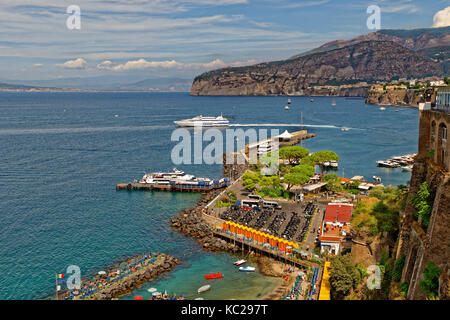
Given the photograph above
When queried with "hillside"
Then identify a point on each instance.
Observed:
(416, 39)
(363, 61)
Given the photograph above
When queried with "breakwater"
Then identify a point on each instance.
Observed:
(123, 278)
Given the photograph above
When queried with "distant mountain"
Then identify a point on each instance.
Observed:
(19, 87)
(415, 39)
(363, 61)
(161, 84)
(112, 83)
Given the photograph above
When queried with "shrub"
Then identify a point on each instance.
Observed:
(430, 282)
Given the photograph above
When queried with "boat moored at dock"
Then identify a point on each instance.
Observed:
(175, 180)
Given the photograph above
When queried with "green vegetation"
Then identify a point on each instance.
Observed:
(423, 205)
(227, 200)
(266, 186)
(430, 282)
(404, 288)
(322, 156)
(398, 269)
(344, 276)
(380, 211)
(333, 183)
(293, 154)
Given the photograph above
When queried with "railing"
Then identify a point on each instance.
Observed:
(442, 108)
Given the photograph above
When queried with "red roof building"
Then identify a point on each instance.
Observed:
(335, 230)
(338, 212)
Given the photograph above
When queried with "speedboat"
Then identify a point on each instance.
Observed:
(286, 108)
(345, 129)
(202, 121)
(204, 289)
(240, 262)
(247, 269)
(213, 276)
(289, 101)
(382, 108)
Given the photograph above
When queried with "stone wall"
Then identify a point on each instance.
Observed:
(417, 244)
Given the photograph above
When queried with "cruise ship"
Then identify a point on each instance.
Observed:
(219, 121)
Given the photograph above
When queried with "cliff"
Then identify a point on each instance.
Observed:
(364, 61)
(409, 97)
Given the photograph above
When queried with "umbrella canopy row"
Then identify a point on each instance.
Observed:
(258, 236)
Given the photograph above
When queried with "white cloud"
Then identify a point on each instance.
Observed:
(442, 18)
(78, 63)
(142, 64)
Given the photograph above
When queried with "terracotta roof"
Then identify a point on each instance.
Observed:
(339, 212)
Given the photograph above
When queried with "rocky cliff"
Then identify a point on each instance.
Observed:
(364, 61)
(404, 97)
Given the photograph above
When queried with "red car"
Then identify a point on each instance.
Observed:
(247, 209)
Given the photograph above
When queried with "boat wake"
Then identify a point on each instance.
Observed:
(78, 130)
(287, 125)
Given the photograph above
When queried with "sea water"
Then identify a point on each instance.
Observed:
(63, 153)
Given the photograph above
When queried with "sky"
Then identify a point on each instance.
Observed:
(183, 38)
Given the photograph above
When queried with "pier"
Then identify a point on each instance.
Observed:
(135, 186)
(259, 248)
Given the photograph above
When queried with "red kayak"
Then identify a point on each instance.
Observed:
(218, 275)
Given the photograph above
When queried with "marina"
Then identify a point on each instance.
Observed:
(406, 162)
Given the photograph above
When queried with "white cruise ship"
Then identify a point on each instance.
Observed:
(219, 121)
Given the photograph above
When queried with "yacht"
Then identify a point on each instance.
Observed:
(203, 121)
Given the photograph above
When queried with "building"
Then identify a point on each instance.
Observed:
(334, 234)
(419, 243)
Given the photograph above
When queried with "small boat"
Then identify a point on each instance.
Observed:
(382, 108)
(247, 269)
(312, 100)
(333, 103)
(204, 289)
(376, 178)
(408, 168)
(240, 262)
(289, 101)
(286, 108)
(213, 276)
(345, 129)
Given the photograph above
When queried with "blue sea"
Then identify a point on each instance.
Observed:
(63, 153)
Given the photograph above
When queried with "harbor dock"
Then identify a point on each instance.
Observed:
(136, 186)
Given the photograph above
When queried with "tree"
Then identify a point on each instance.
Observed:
(422, 202)
(333, 182)
(430, 282)
(321, 157)
(304, 169)
(295, 179)
(293, 154)
(344, 276)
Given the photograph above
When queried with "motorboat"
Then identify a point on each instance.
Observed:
(388, 164)
(213, 276)
(247, 269)
(382, 108)
(204, 289)
(202, 121)
(286, 108)
(240, 262)
(376, 178)
(345, 129)
(289, 101)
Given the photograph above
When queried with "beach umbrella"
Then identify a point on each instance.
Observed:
(152, 290)
(102, 273)
(199, 299)
(156, 294)
(138, 298)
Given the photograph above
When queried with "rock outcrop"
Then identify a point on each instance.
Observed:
(404, 97)
(364, 61)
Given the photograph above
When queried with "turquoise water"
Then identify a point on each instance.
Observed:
(63, 153)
